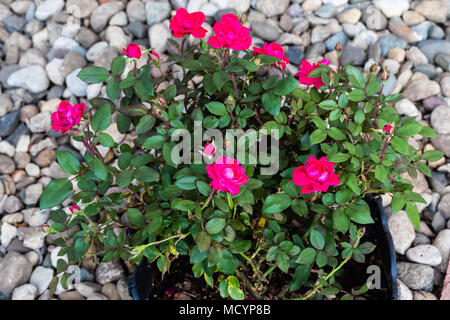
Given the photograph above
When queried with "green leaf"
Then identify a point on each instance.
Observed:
(99, 169)
(125, 178)
(183, 205)
(93, 74)
(102, 118)
(145, 124)
(276, 203)
(328, 105)
(317, 136)
(282, 260)
(433, 155)
(112, 88)
(355, 76)
(240, 245)
(424, 168)
(106, 140)
(203, 241)
(234, 290)
(359, 213)
(118, 65)
(428, 132)
(215, 225)
(135, 217)
(154, 142)
(56, 192)
(336, 134)
(146, 174)
(187, 183)
(306, 256)
(408, 130)
(285, 86)
(271, 103)
(357, 95)
(359, 116)
(316, 239)
(219, 79)
(380, 172)
(58, 216)
(413, 214)
(68, 162)
(341, 221)
(216, 108)
(400, 145)
(321, 124)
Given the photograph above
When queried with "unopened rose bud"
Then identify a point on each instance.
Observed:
(387, 129)
(384, 75)
(75, 209)
(158, 112)
(331, 75)
(74, 132)
(257, 62)
(230, 101)
(154, 55)
(338, 47)
(209, 149)
(45, 228)
(374, 68)
(161, 101)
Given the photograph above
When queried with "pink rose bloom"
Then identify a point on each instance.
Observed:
(273, 49)
(315, 175)
(74, 208)
(209, 149)
(227, 175)
(184, 23)
(305, 70)
(67, 116)
(388, 129)
(230, 33)
(132, 51)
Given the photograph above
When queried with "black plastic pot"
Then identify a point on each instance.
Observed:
(140, 286)
(385, 246)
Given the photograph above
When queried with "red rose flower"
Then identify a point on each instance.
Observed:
(275, 50)
(184, 23)
(315, 175)
(227, 175)
(230, 33)
(132, 51)
(67, 116)
(305, 70)
(388, 129)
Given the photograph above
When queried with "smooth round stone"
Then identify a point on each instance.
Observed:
(295, 55)
(402, 231)
(25, 292)
(75, 85)
(41, 278)
(416, 276)
(33, 78)
(265, 31)
(353, 54)
(428, 69)
(440, 118)
(424, 254)
(326, 11)
(48, 8)
(389, 42)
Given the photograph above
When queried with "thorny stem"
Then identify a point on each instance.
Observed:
(383, 150)
(209, 199)
(355, 244)
(375, 106)
(137, 196)
(261, 276)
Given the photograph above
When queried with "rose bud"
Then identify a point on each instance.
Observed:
(387, 129)
(155, 55)
(374, 68)
(132, 51)
(209, 149)
(384, 75)
(338, 47)
(45, 228)
(230, 101)
(161, 101)
(75, 209)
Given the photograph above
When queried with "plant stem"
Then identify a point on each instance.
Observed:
(336, 269)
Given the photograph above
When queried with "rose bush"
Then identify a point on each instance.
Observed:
(335, 138)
